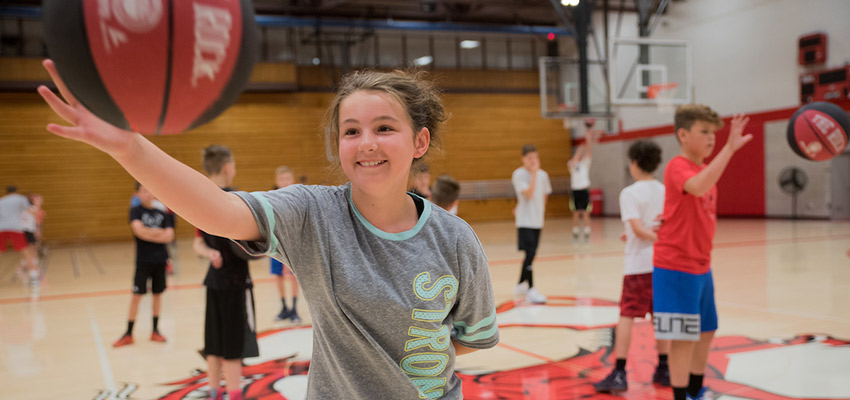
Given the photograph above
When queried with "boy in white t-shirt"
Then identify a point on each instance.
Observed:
(532, 187)
(579, 167)
(640, 204)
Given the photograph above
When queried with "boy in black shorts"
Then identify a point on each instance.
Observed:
(152, 229)
(229, 332)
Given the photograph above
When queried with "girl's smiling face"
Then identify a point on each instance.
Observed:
(377, 144)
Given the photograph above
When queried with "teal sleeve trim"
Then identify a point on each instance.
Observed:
(465, 332)
(268, 210)
(478, 336)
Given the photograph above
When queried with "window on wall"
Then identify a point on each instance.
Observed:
(445, 49)
(34, 39)
(496, 49)
(278, 44)
(522, 52)
(471, 51)
(418, 51)
(363, 51)
(380, 48)
(11, 37)
(333, 54)
(390, 49)
(306, 51)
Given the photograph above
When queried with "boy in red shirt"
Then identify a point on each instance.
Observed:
(683, 290)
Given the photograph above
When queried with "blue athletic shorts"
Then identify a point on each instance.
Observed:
(683, 304)
(277, 268)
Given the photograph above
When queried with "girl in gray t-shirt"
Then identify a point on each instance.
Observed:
(396, 288)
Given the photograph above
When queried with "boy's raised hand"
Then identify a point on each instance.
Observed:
(737, 139)
(86, 127)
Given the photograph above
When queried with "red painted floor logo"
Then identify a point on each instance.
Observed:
(806, 366)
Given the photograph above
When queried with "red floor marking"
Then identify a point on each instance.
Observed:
(528, 353)
(85, 295)
(15, 300)
(716, 245)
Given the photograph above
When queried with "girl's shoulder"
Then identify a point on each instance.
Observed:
(451, 225)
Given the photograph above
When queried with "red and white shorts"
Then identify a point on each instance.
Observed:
(17, 239)
(636, 300)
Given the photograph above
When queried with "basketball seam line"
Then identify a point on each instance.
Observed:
(826, 145)
(168, 67)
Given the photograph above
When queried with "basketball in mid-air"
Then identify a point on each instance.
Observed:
(818, 131)
(153, 66)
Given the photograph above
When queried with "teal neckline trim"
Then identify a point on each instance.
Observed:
(426, 212)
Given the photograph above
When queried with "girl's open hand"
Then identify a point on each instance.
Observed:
(85, 126)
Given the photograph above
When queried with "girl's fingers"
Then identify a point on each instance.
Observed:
(59, 107)
(54, 74)
(70, 132)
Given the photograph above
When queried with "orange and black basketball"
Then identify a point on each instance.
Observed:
(818, 131)
(153, 66)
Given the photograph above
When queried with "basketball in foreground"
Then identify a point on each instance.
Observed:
(818, 131)
(153, 66)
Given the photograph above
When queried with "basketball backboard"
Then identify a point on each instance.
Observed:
(560, 89)
(650, 72)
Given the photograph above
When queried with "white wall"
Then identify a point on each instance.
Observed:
(744, 51)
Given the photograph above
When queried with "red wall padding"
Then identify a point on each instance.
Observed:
(741, 189)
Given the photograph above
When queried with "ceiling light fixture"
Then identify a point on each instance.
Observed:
(424, 60)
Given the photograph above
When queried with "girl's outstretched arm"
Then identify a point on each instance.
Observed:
(187, 192)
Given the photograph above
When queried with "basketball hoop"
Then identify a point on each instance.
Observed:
(653, 91)
(664, 95)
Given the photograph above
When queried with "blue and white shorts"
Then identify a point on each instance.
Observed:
(277, 268)
(683, 304)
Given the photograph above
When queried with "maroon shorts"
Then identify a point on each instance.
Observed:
(636, 300)
(18, 240)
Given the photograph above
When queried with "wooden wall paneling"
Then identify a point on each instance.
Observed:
(22, 69)
(87, 193)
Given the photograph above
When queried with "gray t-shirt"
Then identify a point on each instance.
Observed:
(385, 306)
(12, 208)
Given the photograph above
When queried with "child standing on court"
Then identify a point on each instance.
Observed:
(397, 288)
(579, 166)
(445, 193)
(230, 327)
(532, 187)
(152, 228)
(13, 206)
(682, 285)
(284, 177)
(640, 204)
(420, 180)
